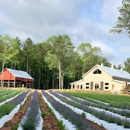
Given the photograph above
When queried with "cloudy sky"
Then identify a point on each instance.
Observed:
(83, 20)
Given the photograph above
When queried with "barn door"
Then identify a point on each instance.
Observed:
(91, 86)
(101, 86)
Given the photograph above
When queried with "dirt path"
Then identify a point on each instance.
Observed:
(50, 121)
(18, 116)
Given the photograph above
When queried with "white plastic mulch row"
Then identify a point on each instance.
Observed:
(68, 124)
(11, 114)
(7, 100)
(99, 109)
(39, 125)
(109, 126)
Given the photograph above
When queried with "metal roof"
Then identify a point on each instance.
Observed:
(19, 73)
(115, 72)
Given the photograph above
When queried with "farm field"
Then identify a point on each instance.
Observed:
(63, 110)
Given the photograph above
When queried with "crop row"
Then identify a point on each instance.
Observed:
(114, 100)
(121, 112)
(76, 119)
(31, 117)
(110, 118)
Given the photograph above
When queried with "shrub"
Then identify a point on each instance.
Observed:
(126, 124)
(29, 124)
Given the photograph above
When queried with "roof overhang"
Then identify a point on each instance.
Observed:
(79, 82)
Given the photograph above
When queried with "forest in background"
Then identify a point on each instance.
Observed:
(53, 63)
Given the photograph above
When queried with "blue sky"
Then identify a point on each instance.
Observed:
(83, 20)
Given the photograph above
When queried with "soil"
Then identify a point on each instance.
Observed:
(91, 124)
(18, 116)
(49, 121)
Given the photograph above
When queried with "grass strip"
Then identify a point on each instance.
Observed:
(9, 96)
(8, 107)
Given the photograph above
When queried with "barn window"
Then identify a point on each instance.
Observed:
(106, 83)
(97, 71)
(106, 87)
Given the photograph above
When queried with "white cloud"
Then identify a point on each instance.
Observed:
(107, 51)
(40, 19)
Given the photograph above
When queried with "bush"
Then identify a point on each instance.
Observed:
(29, 124)
(126, 124)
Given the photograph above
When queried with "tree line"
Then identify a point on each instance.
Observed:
(53, 63)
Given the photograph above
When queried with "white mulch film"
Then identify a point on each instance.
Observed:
(39, 125)
(68, 124)
(99, 109)
(109, 126)
(7, 100)
(11, 114)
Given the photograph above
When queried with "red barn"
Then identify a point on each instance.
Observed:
(15, 78)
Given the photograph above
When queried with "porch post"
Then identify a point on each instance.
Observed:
(71, 86)
(14, 83)
(8, 83)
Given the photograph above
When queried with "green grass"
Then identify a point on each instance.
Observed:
(10, 96)
(6, 109)
(6, 93)
(114, 100)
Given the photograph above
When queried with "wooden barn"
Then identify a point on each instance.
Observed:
(15, 78)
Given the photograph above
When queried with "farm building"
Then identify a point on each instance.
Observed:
(15, 78)
(103, 78)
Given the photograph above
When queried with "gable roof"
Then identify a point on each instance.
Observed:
(112, 72)
(19, 73)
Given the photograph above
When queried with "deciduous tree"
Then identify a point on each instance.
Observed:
(123, 23)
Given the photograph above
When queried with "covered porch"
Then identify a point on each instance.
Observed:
(77, 85)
